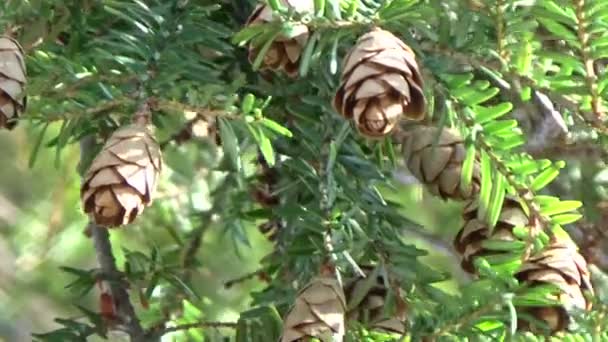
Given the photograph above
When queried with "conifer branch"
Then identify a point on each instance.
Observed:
(588, 61)
(523, 192)
(500, 30)
(261, 273)
(92, 111)
(454, 326)
(107, 263)
(523, 80)
(199, 325)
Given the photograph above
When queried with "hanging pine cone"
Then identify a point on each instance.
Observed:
(437, 161)
(469, 240)
(369, 306)
(561, 265)
(263, 190)
(284, 53)
(12, 82)
(318, 312)
(380, 82)
(122, 179)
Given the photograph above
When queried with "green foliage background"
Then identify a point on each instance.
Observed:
(90, 62)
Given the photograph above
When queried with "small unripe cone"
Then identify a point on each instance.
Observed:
(122, 179)
(468, 242)
(561, 265)
(318, 312)
(285, 52)
(12, 82)
(370, 310)
(380, 83)
(437, 163)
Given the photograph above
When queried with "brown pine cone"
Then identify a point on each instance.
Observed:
(369, 309)
(12, 82)
(561, 265)
(284, 53)
(318, 312)
(380, 82)
(469, 240)
(122, 179)
(439, 166)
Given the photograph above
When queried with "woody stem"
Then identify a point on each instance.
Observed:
(107, 264)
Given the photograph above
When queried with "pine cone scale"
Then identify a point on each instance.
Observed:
(318, 312)
(12, 82)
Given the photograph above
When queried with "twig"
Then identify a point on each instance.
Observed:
(577, 150)
(462, 321)
(189, 258)
(590, 75)
(72, 89)
(143, 115)
(102, 107)
(537, 221)
(107, 263)
(248, 276)
(560, 99)
(500, 30)
(401, 305)
(186, 132)
(198, 325)
(167, 105)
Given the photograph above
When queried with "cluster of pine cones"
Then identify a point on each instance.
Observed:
(381, 84)
(322, 307)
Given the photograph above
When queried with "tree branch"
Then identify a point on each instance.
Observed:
(107, 263)
(229, 325)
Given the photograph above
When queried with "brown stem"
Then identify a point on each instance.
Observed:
(107, 263)
(102, 107)
(500, 30)
(143, 116)
(189, 258)
(206, 112)
(248, 276)
(590, 75)
(198, 325)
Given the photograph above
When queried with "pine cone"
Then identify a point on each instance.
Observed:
(370, 309)
(263, 190)
(380, 82)
(284, 53)
(468, 242)
(122, 179)
(561, 265)
(318, 312)
(12, 82)
(439, 165)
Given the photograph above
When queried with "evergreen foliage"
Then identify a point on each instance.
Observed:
(511, 88)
